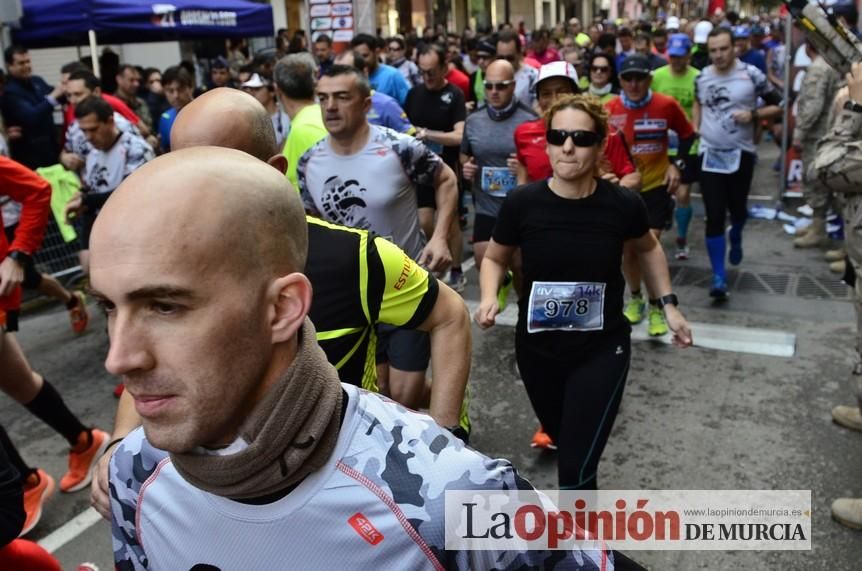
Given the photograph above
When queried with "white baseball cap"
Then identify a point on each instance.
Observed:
(558, 69)
(255, 81)
(672, 23)
(701, 31)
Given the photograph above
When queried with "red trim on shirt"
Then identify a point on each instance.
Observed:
(390, 503)
(140, 507)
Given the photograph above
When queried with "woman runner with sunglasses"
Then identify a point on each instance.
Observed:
(603, 78)
(572, 342)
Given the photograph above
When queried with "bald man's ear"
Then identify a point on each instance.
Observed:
(288, 302)
(278, 161)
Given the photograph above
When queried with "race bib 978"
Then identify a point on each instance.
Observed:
(566, 306)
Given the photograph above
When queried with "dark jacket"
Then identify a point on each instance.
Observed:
(25, 105)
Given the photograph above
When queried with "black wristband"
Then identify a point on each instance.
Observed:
(22, 258)
(851, 105)
(111, 444)
(669, 299)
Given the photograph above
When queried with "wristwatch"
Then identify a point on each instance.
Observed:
(680, 164)
(851, 105)
(20, 257)
(669, 299)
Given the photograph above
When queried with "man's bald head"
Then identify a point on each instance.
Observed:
(212, 207)
(500, 70)
(197, 260)
(225, 117)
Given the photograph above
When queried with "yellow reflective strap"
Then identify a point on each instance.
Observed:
(336, 333)
(363, 275)
(350, 353)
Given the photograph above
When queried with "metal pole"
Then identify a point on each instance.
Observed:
(785, 132)
(93, 53)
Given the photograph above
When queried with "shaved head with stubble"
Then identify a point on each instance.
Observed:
(197, 260)
(226, 117)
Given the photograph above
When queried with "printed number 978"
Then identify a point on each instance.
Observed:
(554, 307)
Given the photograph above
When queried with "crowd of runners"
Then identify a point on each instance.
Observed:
(557, 157)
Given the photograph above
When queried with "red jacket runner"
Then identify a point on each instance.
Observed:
(34, 193)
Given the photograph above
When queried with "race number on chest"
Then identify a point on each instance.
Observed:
(566, 306)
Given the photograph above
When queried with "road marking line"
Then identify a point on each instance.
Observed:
(70, 530)
(468, 264)
(707, 335)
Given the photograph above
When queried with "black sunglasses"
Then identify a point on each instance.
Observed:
(498, 85)
(600, 68)
(635, 77)
(579, 138)
(509, 58)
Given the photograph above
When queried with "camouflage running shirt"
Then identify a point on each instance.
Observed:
(377, 504)
(374, 189)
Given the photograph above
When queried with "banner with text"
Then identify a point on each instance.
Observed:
(654, 520)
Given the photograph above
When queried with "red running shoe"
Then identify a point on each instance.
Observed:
(82, 458)
(542, 440)
(78, 315)
(38, 487)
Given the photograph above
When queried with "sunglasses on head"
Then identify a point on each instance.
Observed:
(579, 138)
(498, 85)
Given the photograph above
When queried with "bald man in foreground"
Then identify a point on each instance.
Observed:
(252, 454)
(388, 294)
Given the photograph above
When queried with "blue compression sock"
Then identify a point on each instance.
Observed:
(717, 246)
(683, 218)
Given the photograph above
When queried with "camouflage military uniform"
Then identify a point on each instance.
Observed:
(838, 168)
(818, 90)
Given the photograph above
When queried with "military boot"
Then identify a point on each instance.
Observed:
(815, 237)
(838, 267)
(848, 511)
(835, 255)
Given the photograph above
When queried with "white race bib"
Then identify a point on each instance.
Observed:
(721, 161)
(566, 306)
(498, 181)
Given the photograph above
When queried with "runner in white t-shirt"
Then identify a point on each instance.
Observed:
(78, 145)
(114, 155)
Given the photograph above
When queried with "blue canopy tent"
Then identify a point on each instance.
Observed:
(51, 23)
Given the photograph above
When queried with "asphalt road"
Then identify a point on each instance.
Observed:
(693, 419)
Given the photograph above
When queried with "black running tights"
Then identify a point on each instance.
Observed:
(576, 395)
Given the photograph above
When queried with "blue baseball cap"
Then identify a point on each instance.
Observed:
(678, 45)
(741, 32)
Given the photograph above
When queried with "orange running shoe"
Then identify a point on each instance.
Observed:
(82, 459)
(38, 487)
(542, 440)
(78, 314)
